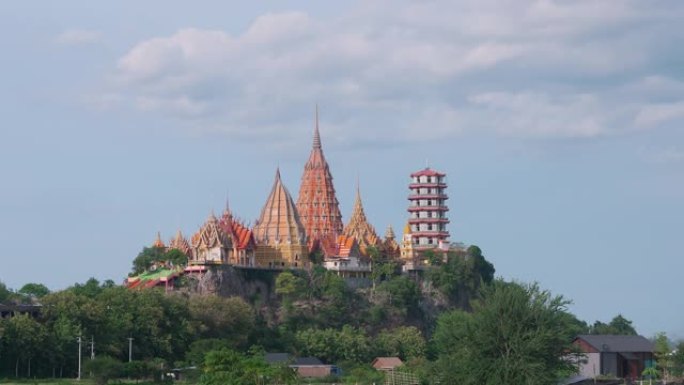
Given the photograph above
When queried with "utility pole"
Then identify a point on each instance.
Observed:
(92, 347)
(79, 358)
(130, 349)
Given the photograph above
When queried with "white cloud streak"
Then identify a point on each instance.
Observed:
(78, 37)
(424, 70)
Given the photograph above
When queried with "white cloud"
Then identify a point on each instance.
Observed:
(428, 70)
(654, 114)
(78, 37)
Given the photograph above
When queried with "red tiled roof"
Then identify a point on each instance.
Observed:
(381, 363)
(427, 172)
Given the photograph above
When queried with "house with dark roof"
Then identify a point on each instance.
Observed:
(310, 367)
(614, 355)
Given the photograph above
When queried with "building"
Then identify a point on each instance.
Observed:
(306, 367)
(317, 204)
(280, 237)
(244, 245)
(180, 243)
(345, 258)
(386, 363)
(614, 355)
(389, 247)
(359, 228)
(427, 209)
(211, 245)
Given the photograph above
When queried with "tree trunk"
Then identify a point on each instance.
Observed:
(29, 368)
(16, 369)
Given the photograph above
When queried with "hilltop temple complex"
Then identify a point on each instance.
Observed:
(289, 235)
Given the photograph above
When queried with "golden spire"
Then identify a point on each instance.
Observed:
(317, 135)
(158, 242)
(358, 226)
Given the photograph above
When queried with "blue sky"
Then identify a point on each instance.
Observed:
(559, 124)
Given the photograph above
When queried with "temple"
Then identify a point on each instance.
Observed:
(317, 205)
(359, 228)
(279, 233)
(289, 235)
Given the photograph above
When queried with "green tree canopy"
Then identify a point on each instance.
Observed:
(35, 290)
(515, 335)
(619, 325)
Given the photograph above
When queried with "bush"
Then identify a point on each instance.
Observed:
(104, 368)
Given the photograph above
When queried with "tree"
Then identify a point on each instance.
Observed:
(219, 317)
(104, 368)
(289, 286)
(34, 290)
(146, 258)
(24, 337)
(406, 342)
(515, 335)
(176, 257)
(5, 293)
(663, 356)
(619, 325)
(228, 367)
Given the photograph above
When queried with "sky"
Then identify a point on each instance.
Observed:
(558, 123)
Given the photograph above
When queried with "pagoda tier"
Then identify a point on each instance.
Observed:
(317, 205)
(279, 234)
(359, 228)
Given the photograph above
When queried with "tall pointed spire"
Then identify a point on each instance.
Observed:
(317, 135)
(358, 226)
(317, 205)
(279, 220)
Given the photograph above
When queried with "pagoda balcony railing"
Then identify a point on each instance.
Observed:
(428, 208)
(427, 196)
(428, 220)
(427, 185)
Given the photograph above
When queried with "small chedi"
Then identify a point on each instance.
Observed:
(289, 235)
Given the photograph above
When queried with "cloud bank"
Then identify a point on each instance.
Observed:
(427, 70)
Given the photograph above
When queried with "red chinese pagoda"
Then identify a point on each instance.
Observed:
(427, 209)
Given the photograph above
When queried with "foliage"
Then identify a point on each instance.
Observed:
(515, 335)
(289, 286)
(461, 275)
(34, 290)
(405, 342)
(228, 367)
(330, 345)
(104, 368)
(5, 293)
(151, 255)
(618, 325)
(219, 317)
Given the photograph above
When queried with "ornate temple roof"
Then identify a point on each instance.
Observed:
(279, 220)
(427, 171)
(180, 243)
(358, 226)
(211, 235)
(158, 242)
(389, 234)
(243, 237)
(317, 205)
